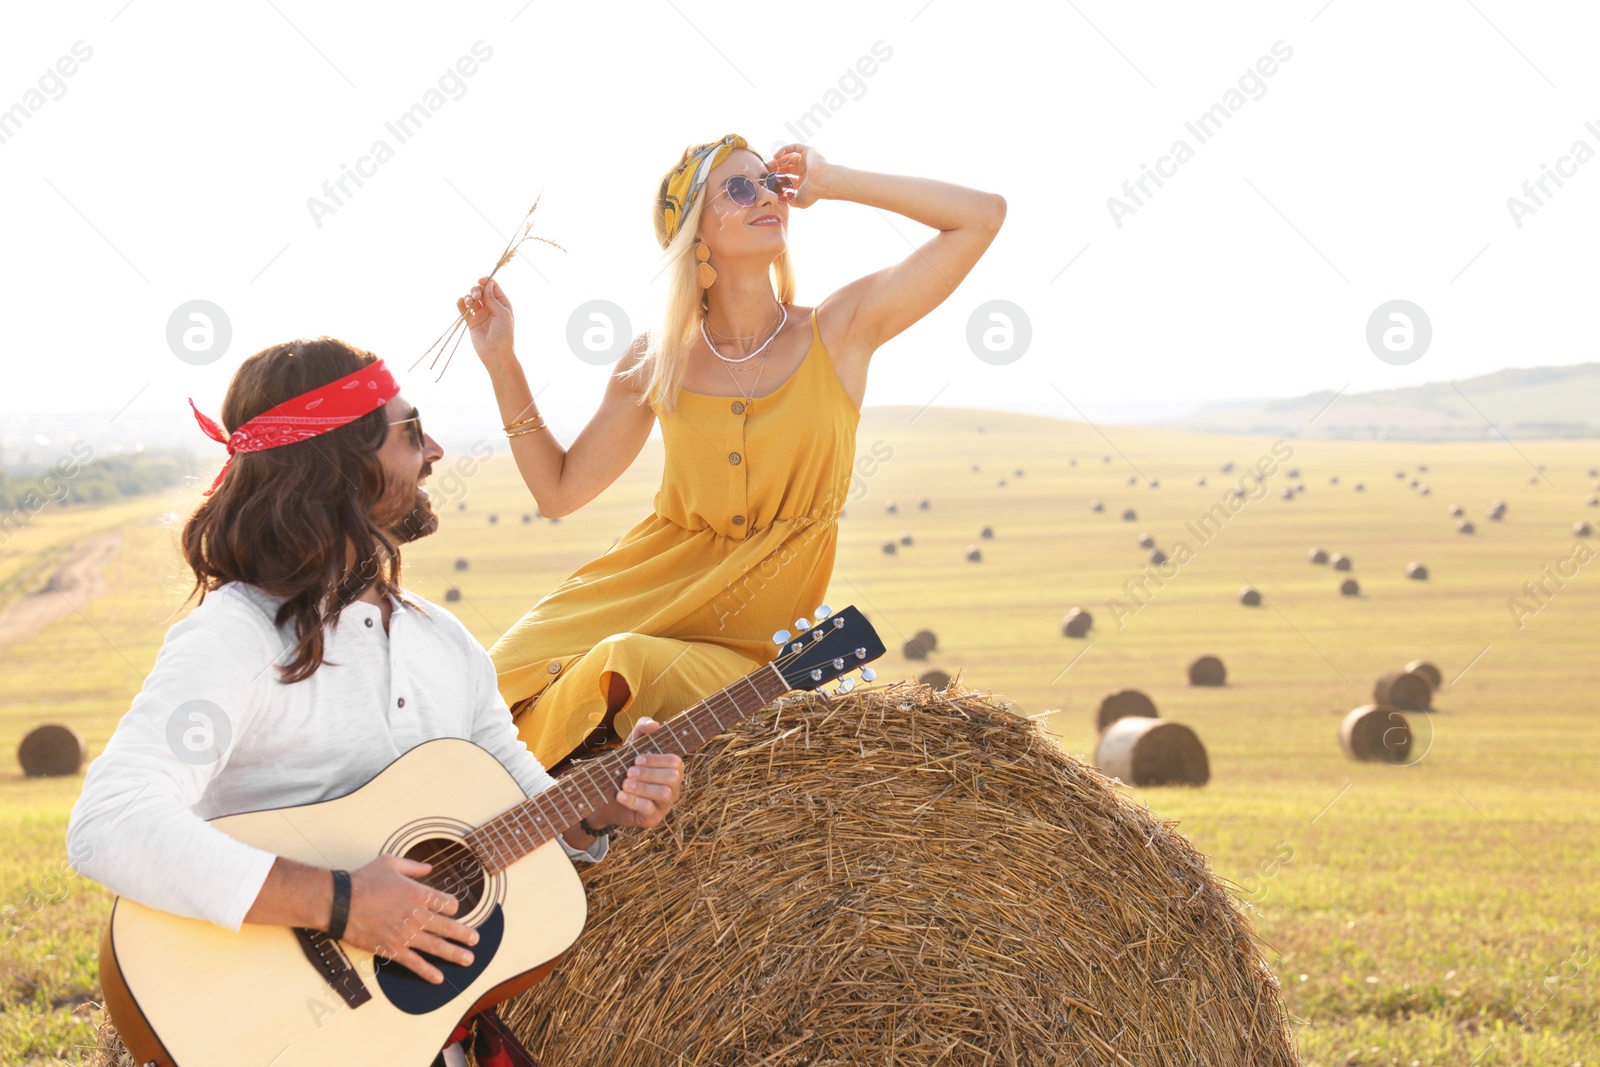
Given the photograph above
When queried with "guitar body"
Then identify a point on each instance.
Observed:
(188, 993)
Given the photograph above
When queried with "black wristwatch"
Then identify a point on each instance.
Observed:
(604, 831)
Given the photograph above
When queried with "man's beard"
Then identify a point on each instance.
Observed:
(421, 521)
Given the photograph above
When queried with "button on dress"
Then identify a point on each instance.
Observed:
(740, 544)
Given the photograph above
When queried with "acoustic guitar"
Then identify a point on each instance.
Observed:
(188, 993)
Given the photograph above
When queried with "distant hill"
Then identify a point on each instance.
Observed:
(1519, 402)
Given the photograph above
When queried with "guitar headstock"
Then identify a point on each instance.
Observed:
(832, 646)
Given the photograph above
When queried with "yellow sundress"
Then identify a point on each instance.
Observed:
(740, 544)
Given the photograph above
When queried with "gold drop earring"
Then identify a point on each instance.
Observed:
(705, 273)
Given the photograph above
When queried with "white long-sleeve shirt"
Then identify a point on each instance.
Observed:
(214, 732)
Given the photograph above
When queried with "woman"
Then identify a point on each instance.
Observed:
(758, 400)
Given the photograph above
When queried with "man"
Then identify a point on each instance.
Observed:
(305, 669)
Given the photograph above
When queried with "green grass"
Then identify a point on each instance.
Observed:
(1429, 914)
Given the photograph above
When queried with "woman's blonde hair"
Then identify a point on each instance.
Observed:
(661, 369)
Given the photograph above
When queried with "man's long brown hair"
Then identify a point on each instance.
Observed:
(298, 520)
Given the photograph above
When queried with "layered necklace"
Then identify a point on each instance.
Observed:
(749, 399)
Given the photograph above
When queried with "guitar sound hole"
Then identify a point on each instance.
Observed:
(455, 870)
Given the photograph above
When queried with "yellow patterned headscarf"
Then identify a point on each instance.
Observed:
(684, 182)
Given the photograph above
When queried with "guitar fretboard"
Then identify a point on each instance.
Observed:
(592, 784)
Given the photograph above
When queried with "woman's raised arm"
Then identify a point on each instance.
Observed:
(561, 480)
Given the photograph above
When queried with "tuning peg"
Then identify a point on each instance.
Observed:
(868, 674)
(801, 624)
(780, 637)
(823, 611)
(847, 685)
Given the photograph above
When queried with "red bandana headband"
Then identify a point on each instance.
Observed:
(325, 408)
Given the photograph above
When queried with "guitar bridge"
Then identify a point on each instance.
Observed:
(334, 966)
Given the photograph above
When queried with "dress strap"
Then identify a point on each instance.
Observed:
(815, 336)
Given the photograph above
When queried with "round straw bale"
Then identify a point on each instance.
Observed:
(1144, 752)
(987, 533)
(974, 466)
(1249, 597)
(915, 650)
(1582, 529)
(1019, 472)
(1594, 472)
(924, 504)
(1376, 732)
(461, 563)
(927, 639)
(52, 749)
(553, 521)
(1146, 541)
(889, 548)
(1121, 704)
(1415, 482)
(1095, 505)
(1399, 474)
(1423, 467)
(1358, 487)
(1105, 459)
(461, 506)
(1428, 672)
(494, 519)
(526, 518)
(1593, 502)
(973, 555)
(1129, 515)
(1132, 480)
(904, 880)
(905, 539)
(1073, 462)
(1076, 623)
(1533, 479)
(1155, 483)
(1455, 510)
(1227, 468)
(1001, 483)
(1406, 690)
(1201, 480)
(1287, 492)
(1497, 510)
(452, 595)
(1466, 527)
(890, 507)
(1207, 670)
(934, 679)
(1423, 490)
(1339, 561)
(1158, 557)
(1417, 571)
(1317, 555)
(1349, 587)
(1293, 472)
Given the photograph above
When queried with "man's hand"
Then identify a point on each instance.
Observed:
(394, 916)
(650, 790)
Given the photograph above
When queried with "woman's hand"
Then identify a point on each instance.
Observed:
(489, 320)
(807, 170)
(649, 791)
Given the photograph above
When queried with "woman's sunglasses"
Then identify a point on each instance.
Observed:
(415, 422)
(744, 192)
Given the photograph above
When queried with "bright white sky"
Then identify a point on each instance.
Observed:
(178, 161)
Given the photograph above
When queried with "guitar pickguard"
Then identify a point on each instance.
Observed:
(414, 995)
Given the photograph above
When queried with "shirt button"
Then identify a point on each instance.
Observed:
(554, 667)
(400, 703)
(738, 520)
(738, 407)
(369, 624)
(733, 457)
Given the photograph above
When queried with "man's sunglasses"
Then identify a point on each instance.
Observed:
(744, 191)
(415, 421)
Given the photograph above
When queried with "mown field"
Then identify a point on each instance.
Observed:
(1437, 913)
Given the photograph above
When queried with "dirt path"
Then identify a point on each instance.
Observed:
(76, 582)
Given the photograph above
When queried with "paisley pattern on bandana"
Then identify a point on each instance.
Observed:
(680, 187)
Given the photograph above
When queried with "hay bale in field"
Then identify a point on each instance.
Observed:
(1339, 561)
(1076, 623)
(554, 521)
(807, 904)
(1207, 670)
(1399, 474)
(1582, 529)
(915, 649)
(1358, 487)
(1287, 492)
(1147, 752)
(1593, 502)
(1407, 690)
(1155, 483)
(973, 555)
(1533, 479)
(1376, 732)
(889, 548)
(452, 595)
(1293, 472)
(461, 563)
(1497, 510)
(1427, 672)
(1466, 527)
(1019, 472)
(1129, 515)
(1455, 511)
(934, 679)
(1146, 541)
(1158, 557)
(1227, 468)
(1001, 483)
(1095, 505)
(1105, 459)
(974, 466)
(461, 506)
(1073, 462)
(1423, 467)
(1349, 587)
(1317, 555)
(493, 519)
(1249, 597)
(924, 504)
(1132, 480)
(905, 539)
(927, 639)
(1423, 490)
(987, 533)
(1121, 704)
(890, 507)
(526, 518)
(51, 750)
(1417, 571)
(1333, 479)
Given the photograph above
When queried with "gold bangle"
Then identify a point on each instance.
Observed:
(519, 433)
(532, 418)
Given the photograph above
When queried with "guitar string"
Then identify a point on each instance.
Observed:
(458, 867)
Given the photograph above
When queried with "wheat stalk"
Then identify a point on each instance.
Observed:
(447, 343)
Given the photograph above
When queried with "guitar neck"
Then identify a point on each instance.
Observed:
(592, 784)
